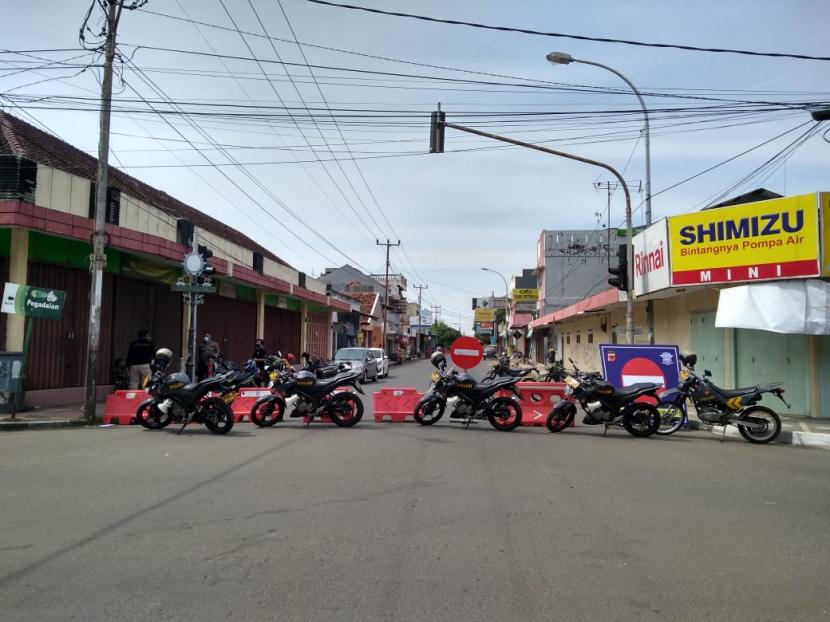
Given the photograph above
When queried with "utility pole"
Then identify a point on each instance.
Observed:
(190, 366)
(387, 244)
(419, 288)
(98, 257)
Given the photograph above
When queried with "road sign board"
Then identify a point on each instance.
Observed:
(466, 352)
(196, 288)
(624, 365)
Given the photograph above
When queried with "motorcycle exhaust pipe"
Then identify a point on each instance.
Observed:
(755, 427)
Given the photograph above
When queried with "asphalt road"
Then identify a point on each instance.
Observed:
(402, 522)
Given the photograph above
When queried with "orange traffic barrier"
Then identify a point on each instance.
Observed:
(121, 406)
(247, 397)
(398, 404)
(538, 399)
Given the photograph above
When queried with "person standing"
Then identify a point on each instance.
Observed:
(138, 358)
(260, 356)
(208, 353)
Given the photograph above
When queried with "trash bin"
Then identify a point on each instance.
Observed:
(10, 364)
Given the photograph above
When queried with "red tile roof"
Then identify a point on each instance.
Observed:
(21, 139)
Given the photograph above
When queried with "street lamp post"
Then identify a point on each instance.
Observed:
(506, 304)
(561, 58)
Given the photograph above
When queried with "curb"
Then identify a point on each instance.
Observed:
(813, 440)
(50, 424)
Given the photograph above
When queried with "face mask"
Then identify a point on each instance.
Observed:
(207, 338)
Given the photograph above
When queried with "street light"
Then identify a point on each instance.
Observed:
(506, 299)
(561, 58)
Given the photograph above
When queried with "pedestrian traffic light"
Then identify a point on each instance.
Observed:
(619, 275)
(436, 132)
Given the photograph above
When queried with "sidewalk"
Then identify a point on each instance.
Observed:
(46, 418)
(795, 431)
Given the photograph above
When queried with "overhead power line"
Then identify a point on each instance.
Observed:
(561, 35)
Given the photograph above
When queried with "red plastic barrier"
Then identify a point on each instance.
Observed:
(247, 397)
(398, 404)
(121, 406)
(538, 399)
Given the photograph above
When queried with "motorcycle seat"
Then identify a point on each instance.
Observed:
(638, 388)
(735, 392)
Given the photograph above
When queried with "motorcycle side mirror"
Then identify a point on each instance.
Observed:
(706, 372)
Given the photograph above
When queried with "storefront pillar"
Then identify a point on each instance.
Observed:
(18, 273)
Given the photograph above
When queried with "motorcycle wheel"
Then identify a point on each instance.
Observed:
(267, 413)
(559, 421)
(149, 416)
(767, 416)
(505, 414)
(642, 421)
(672, 417)
(216, 415)
(428, 412)
(347, 410)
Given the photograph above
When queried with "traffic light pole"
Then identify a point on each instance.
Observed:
(437, 146)
(190, 366)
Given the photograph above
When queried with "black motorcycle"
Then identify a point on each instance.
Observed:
(173, 396)
(304, 394)
(716, 406)
(501, 368)
(606, 405)
(468, 399)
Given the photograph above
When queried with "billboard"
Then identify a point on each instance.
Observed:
(650, 259)
(526, 295)
(485, 315)
(825, 233)
(775, 239)
(33, 301)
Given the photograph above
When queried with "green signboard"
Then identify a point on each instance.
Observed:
(33, 301)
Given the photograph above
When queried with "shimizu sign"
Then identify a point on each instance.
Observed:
(651, 259)
(33, 301)
(825, 233)
(525, 295)
(485, 315)
(776, 239)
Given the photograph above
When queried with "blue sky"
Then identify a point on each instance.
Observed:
(457, 211)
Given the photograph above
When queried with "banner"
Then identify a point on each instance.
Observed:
(485, 315)
(651, 253)
(33, 301)
(825, 233)
(624, 365)
(775, 239)
(525, 295)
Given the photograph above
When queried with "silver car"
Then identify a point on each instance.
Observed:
(383, 362)
(362, 357)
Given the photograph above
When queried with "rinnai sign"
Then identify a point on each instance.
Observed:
(776, 239)
(651, 259)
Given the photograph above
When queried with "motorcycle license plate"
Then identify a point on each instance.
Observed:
(435, 377)
(230, 397)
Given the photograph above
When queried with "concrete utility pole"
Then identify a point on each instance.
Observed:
(419, 288)
(98, 257)
(387, 244)
(190, 366)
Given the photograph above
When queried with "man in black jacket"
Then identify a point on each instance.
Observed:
(138, 358)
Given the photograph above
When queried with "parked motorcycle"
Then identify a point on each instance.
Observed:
(468, 400)
(302, 393)
(605, 405)
(173, 396)
(501, 368)
(716, 406)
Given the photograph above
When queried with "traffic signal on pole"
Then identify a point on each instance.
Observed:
(619, 275)
(475, 304)
(208, 270)
(436, 132)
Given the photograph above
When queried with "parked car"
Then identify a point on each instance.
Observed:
(383, 362)
(359, 356)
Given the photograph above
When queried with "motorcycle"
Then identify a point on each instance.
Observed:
(468, 400)
(605, 404)
(716, 406)
(173, 396)
(502, 368)
(303, 393)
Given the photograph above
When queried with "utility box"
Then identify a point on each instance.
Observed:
(10, 364)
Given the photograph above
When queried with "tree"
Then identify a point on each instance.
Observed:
(444, 335)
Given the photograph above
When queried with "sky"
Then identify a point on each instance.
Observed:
(318, 163)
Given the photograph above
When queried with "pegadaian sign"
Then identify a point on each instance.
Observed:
(775, 239)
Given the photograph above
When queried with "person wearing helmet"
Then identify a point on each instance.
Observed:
(139, 357)
(289, 359)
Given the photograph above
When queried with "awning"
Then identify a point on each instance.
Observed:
(798, 307)
(520, 320)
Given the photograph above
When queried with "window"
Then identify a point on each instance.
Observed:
(113, 205)
(578, 337)
(590, 336)
(568, 338)
(259, 262)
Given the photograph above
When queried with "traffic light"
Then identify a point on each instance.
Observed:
(436, 132)
(619, 275)
(475, 304)
(207, 270)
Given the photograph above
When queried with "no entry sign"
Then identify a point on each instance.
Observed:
(466, 352)
(623, 365)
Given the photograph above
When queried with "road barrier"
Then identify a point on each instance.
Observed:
(121, 406)
(538, 399)
(247, 397)
(397, 404)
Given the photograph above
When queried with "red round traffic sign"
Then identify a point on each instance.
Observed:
(466, 352)
(641, 369)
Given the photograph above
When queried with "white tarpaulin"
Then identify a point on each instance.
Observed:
(801, 307)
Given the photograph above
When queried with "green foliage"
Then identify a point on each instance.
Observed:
(444, 335)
